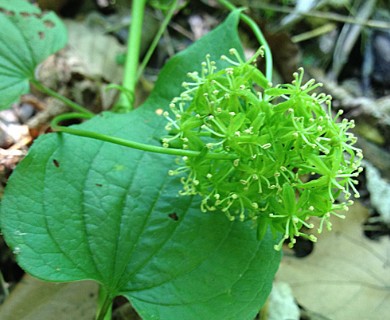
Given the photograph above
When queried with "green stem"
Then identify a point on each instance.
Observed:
(259, 35)
(105, 304)
(128, 143)
(63, 99)
(156, 39)
(124, 104)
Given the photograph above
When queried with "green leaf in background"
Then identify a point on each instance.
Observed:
(28, 36)
(77, 208)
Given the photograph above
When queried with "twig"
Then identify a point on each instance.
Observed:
(327, 16)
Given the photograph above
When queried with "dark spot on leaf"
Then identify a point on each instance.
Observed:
(173, 216)
(99, 185)
(48, 23)
(25, 14)
(7, 12)
(56, 163)
(37, 15)
(41, 35)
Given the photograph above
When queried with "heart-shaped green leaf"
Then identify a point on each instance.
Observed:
(77, 208)
(28, 36)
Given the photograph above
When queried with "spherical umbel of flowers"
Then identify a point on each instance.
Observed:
(292, 158)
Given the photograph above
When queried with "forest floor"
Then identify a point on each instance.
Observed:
(346, 46)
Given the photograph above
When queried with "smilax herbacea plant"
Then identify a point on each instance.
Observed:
(293, 159)
(118, 198)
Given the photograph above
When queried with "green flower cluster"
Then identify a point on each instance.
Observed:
(293, 159)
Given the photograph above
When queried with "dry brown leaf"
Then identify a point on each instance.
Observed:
(33, 299)
(96, 50)
(347, 276)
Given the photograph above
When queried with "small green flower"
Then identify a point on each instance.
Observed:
(293, 158)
